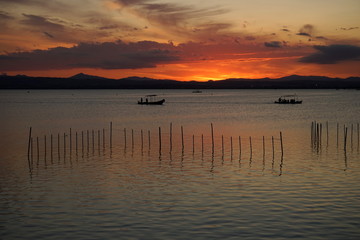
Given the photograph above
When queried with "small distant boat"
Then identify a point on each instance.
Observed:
(289, 99)
(151, 100)
(197, 91)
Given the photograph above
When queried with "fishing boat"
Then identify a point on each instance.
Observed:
(289, 99)
(151, 100)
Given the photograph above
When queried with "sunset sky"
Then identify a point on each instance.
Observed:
(183, 40)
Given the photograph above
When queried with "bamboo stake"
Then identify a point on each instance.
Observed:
(231, 145)
(240, 145)
(31, 151)
(142, 140)
(193, 143)
(273, 147)
(263, 145)
(64, 145)
(202, 144)
(345, 138)
(250, 147)
(149, 138)
(132, 138)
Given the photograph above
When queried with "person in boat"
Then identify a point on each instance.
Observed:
(141, 100)
(147, 100)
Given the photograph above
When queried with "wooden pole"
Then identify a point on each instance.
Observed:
(345, 138)
(250, 146)
(142, 140)
(263, 145)
(240, 145)
(273, 147)
(231, 145)
(193, 143)
(281, 142)
(149, 138)
(31, 152)
(182, 137)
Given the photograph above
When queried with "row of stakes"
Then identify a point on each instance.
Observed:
(317, 135)
(85, 137)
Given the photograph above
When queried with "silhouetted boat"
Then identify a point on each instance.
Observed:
(151, 100)
(289, 99)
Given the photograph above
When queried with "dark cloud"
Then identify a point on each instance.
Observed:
(108, 55)
(5, 16)
(285, 30)
(333, 54)
(48, 35)
(41, 22)
(349, 29)
(273, 44)
(306, 30)
(174, 17)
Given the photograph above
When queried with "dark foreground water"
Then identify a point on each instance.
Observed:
(140, 187)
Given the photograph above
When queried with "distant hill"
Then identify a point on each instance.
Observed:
(84, 81)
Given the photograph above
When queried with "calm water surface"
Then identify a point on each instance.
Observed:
(144, 188)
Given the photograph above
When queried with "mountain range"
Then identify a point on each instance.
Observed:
(84, 81)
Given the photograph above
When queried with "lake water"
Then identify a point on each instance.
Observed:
(241, 185)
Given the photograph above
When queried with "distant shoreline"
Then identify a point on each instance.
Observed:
(83, 81)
